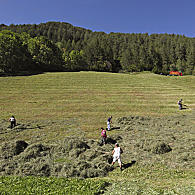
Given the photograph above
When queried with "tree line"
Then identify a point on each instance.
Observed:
(58, 46)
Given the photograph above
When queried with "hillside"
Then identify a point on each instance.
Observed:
(59, 116)
(82, 49)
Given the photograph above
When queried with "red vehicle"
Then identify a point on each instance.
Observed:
(175, 73)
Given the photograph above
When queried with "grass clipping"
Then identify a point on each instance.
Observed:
(72, 157)
(144, 140)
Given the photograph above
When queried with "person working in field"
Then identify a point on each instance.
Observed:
(109, 121)
(180, 104)
(117, 155)
(103, 136)
(12, 121)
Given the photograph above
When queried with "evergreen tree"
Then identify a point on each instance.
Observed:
(104, 52)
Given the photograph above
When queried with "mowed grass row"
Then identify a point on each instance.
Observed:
(155, 180)
(78, 104)
(90, 97)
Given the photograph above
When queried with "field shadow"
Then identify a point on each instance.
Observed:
(25, 73)
(185, 108)
(26, 126)
(110, 140)
(127, 165)
(114, 128)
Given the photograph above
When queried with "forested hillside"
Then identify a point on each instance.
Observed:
(57, 46)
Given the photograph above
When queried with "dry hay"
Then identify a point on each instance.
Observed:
(70, 158)
(8, 150)
(167, 140)
(161, 148)
(145, 140)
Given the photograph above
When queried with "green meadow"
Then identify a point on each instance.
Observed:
(86, 99)
(57, 105)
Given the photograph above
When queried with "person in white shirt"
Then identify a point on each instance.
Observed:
(12, 121)
(117, 155)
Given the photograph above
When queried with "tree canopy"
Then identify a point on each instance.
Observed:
(55, 46)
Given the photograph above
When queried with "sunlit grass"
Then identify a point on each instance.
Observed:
(79, 103)
(90, 97)
(51, 185)
(154, 179)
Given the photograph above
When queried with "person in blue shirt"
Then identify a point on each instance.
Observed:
(180, 104)
(109, 121)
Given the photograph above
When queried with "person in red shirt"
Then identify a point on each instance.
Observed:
(103, 136)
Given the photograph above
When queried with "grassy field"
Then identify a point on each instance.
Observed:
(57, 105)
(44, 185)
(84, 100)
(154, 180)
